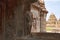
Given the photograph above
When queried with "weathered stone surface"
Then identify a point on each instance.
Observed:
(13, 21)
(40, 12)
(42, 36)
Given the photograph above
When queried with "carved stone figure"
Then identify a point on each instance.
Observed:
(29, 19)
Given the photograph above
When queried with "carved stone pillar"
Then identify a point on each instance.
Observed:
(43, 13)
(9, 23)
(43, 21)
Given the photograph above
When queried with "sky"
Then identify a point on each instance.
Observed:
(53, 6)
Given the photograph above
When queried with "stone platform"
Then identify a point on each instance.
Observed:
(42, 36)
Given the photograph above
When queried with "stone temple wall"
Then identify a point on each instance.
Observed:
(14, 12)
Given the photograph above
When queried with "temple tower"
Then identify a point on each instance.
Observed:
(52, 20)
